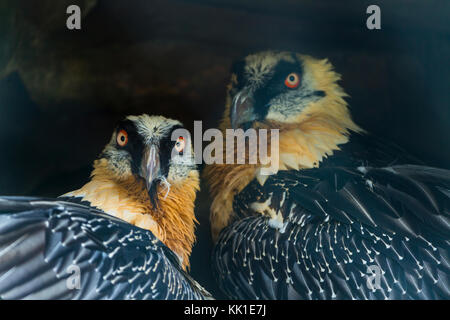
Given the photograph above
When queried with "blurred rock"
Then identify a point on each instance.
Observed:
(8, 36)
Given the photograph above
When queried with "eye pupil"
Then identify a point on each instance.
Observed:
(122, 138)
(179, 145)
(292, 80)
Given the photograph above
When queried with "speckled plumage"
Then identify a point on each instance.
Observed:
(41, 238)
(368, 205)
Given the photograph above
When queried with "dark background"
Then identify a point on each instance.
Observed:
(61, 91)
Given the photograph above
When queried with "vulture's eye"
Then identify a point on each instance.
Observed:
(292, 80)
(180, 144)
(122, 138)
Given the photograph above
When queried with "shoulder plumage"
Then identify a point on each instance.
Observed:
(313, 233)
(46, 242)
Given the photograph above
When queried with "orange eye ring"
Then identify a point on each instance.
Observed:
(292, 80)
(180, 144)
(122, 138)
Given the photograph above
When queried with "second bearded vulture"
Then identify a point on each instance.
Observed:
(346, 216)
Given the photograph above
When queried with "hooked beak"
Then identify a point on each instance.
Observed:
(242, 108)
(150, 168)
(151, 172)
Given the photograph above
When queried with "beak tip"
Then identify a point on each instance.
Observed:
(242, 108)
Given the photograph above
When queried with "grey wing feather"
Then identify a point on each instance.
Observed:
(53, 249)
(341, 225)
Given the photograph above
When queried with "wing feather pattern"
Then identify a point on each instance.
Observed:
(350, 231)
(44, 243)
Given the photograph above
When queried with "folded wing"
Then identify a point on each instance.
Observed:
(54, 249)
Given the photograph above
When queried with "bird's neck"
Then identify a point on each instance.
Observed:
(302, 145)
(173, 222)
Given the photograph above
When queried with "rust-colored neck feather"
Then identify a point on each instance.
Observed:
(312, 136)
(173, 222)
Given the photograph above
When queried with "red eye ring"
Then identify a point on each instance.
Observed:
(180, 144)
(292, 80)
(122, 138)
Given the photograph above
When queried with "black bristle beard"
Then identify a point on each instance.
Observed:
(153, 194)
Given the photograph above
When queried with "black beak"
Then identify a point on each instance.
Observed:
(242, 109)
(150, 171)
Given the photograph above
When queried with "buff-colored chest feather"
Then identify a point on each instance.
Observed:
(301, 146)
(173, 222)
